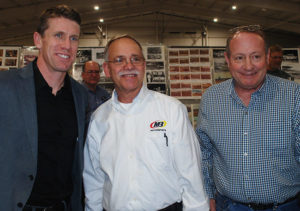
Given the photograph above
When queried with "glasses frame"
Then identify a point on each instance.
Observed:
(125, 61)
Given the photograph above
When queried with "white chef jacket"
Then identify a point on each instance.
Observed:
(144, 156)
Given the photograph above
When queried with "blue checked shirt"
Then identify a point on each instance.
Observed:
(251, 154)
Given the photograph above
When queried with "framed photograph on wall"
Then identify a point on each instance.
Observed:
(291, 63)
(28, 54)
(155, 76)
(220, 68)
(189, 71)
(9, 57)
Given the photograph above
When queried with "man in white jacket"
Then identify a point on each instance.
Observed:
(141, 151)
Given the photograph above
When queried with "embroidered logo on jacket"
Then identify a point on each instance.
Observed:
(158, 124)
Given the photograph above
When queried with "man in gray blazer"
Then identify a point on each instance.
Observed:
(42, 118)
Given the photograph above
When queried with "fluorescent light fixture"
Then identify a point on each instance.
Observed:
(96, 7)
(216, 20)
(234, 7)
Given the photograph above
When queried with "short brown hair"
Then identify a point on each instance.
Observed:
(275, 48)
(56, 12)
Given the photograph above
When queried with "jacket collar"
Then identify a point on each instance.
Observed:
(134, 107)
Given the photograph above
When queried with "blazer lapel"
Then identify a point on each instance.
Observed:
(27, 102)
(78, 107)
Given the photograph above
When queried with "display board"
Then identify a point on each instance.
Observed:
(9, 57)
(189, 72)
(193, 110)
(155, 75)
(291, 63)
(28, 54)
(220, 68)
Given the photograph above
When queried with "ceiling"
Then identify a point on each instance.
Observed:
(19, 17)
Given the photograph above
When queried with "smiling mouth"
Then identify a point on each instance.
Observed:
(129, 75)
(249, 73)
(63, 56)
(133, 73)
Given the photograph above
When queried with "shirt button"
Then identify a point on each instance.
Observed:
(245, 154)
(20, 204)
(245, 133)
(31, 177)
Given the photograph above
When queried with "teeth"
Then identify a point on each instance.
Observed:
(63, 56)
(130, 75)
(249, 74)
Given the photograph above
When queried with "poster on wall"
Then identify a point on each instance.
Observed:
(220, 68)
(290, 63)
(155, 76)
(98, 56)
(189, 72)
(76, 71)
(193, 110)
(28, 54)
(83, 55)
(9, 57)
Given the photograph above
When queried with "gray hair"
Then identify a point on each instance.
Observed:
(117, 38)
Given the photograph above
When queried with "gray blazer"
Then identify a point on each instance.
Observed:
(19, 138)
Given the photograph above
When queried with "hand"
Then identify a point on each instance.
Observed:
(212, 205)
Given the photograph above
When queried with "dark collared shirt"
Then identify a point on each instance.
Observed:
(57, 134)
(96, 98)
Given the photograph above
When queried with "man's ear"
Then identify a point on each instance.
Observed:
(37, 38)
(226, 58)
(106, 69)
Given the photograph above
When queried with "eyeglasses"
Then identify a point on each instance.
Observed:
(92, 71)
(121, 60)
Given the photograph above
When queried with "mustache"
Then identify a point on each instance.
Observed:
(127, 72)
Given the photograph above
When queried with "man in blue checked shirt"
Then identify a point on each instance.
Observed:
(249, 131)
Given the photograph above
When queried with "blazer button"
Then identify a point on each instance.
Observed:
(20, 204)
(31, 177)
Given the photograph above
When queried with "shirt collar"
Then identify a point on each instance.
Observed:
(143, 93)
(262, 89)
(40, 82)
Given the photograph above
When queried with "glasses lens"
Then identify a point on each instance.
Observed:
(136, 60)
(119, 60)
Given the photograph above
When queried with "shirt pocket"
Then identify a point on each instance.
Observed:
(157, 150)
(279, 134)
